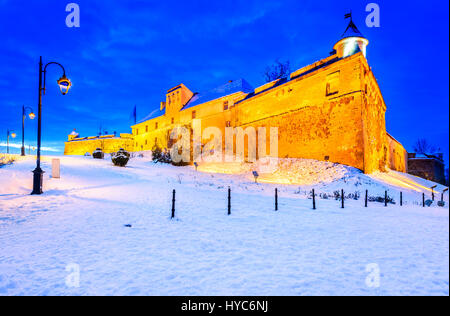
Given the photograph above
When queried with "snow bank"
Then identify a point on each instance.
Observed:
(81, 220)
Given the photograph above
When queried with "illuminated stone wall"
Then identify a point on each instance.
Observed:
(398, 156)
(376, 146)
(313, 124)
(108, 145)
(330, 110)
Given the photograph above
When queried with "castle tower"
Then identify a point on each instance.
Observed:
(73, 135)
(352, 41)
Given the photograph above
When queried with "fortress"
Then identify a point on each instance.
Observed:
(331, 110)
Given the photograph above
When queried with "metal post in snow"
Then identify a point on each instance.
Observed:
(173, 204)
(442, 195)
(385, 199)
(314, 199)
(342, 198)
(229, 201)
(276, 199)
(401, 198)
(432, 192)
(367, 198)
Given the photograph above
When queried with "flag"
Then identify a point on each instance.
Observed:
(134, 115)
(348, 15)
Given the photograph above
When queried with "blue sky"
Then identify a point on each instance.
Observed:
(131, 52)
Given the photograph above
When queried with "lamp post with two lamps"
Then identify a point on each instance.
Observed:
(64, 85)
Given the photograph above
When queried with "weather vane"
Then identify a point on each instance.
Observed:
(349, 15)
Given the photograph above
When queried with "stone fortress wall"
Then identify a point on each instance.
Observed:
(330, 110)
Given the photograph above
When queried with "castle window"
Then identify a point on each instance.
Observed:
(228, 124)
(173, 120)
(194, 114)
(145, 142)
(156, 125)
(156, 141)
(137, 131)
(146, 129)
(225, 105)
(332, 86)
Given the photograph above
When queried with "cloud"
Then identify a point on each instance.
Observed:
(43, 148)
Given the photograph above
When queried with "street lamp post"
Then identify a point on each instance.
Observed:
(8, 134)
(64, 85)
(24, 115)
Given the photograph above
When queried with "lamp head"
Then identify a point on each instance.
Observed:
(32, 115)
(64, 84)
(13, 135)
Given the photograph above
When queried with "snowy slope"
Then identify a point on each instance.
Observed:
(297, 251)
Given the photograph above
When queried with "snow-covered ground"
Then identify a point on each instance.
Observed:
(80, 222)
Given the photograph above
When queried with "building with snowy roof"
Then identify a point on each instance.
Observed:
(330, 110)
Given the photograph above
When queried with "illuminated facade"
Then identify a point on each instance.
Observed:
(77, 145)
(330, 110)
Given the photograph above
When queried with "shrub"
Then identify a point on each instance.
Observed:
(120, 158)
(6, 160)
(354, 196)
(351, 196)
(337, 195)
(98, 154)
(158, 155)
(380, 199)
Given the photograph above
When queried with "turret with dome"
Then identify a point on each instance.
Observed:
(352, 41)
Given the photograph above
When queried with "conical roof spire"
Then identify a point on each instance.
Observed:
(352, 41)
(352, 30)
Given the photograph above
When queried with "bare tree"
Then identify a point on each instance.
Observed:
(422, 146)
(279, 70)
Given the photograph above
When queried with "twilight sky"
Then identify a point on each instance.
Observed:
(131, 52)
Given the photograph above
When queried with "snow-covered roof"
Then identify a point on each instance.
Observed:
(156, 113)
(74, 133)
(423, 156)
(231, 87)
(352, 31)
